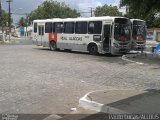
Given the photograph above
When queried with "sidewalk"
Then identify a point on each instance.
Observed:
(145, 58)
(122, 101)
(14, 40)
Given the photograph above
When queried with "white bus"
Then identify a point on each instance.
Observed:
(139, 31)
(94, 34)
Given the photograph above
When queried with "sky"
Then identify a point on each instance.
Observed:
(26, 6)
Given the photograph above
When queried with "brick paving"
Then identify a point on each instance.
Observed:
(36, 80)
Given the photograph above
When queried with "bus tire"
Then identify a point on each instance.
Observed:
(93, 49)
(52, 46)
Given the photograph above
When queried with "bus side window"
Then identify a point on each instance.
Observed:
(35, 27)
(58, 27)
(40, 30)
(48, 27)
(53, 27)
(69, 27)
(95, 27)
(81, 28)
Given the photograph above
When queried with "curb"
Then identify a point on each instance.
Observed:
(85, 103)
(124, 57)
(148, 55)
(53, 117)
(89, 104)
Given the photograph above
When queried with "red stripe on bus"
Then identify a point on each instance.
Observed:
(53, 37)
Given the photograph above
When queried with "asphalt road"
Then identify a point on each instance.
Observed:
(37, 80)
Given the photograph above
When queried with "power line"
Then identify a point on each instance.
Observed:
(90, 10)
(20, 13)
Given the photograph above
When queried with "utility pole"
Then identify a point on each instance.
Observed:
(26, 24)
(127, 9)
(91, 11)
(1, 20)
(9, 20)
(0, 9)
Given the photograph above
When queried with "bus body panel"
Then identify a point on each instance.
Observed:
(79, 42)
(40, 38)
(73, 41)
(138, 34)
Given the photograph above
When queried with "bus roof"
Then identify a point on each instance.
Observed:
(136, 20)
(79, 19)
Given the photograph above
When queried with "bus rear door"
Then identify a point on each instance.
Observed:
(40, 38)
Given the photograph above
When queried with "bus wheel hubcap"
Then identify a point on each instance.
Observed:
(93, 48)
(53, 46)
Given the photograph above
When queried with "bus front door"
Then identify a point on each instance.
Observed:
(40, 35)
(107, 37)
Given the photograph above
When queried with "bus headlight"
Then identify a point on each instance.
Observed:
(97, 38)
(116, 45)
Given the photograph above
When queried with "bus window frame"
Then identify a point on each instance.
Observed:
(41, 30)
(73, 28)
(60, 28)
(93, 31)
(35, 27)
(47, 30)
(76, 27)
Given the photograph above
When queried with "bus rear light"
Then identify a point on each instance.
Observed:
(97, 37)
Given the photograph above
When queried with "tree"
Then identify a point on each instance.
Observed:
(4, 18)
(106, 10)
(52, 9)
(156, 22)
(143, 9)
(22, 22)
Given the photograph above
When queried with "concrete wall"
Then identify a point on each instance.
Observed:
(153, 34)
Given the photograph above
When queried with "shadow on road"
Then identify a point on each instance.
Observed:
(147, 102)
(139, 106)
(98, 58)
(76, 52)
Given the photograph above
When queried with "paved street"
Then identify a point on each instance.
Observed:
(37, 80)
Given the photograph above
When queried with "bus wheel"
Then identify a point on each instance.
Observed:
(52, 46)
(93, 50)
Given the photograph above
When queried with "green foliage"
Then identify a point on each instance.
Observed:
(143, 9)
(22, 22)
(52, 9)
(106, 10)
(156, 22)
(4, 19)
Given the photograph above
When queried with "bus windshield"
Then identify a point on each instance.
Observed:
(122, 32)
(139, 32)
